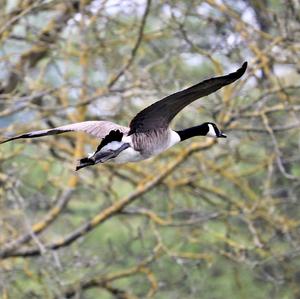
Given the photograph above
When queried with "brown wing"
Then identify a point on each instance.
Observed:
(95, 128)
(160, 114)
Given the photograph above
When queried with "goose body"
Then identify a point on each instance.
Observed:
(142, 146)
(148, 133)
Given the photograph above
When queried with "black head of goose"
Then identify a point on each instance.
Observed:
(148, 133)
(208, 129)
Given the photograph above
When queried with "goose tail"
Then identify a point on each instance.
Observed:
(84, 162)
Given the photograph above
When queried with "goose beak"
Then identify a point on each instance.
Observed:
(222, 135)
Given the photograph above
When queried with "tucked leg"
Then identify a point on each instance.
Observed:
(103, 156)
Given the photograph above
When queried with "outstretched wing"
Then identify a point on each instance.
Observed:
(95, 128)
(160, 114)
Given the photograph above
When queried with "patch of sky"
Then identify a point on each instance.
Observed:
(11, 5)
(22, 117)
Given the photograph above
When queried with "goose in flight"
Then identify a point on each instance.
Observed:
(148, 133)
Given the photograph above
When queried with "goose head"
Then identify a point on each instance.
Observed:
(212, 130)
(208, 129)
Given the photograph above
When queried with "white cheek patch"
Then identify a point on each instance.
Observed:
(211, 131)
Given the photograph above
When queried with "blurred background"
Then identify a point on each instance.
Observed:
(207, 219)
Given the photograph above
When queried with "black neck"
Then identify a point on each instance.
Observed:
(193, 131)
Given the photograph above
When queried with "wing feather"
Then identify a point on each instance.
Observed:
(95, 128)
(160, 114)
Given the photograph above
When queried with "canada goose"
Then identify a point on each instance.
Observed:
(148, 133)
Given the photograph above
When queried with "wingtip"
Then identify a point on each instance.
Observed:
(240, 72)
(244, 66)
(9, 139)
(4, 141)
